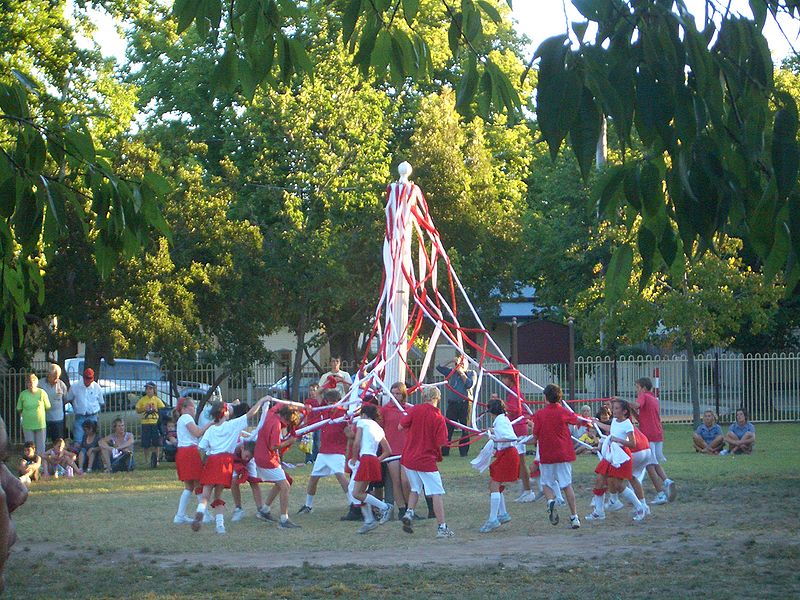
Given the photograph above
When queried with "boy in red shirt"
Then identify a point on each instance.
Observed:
(649, 415)
(556, 452)
(332, 447)
(267, 455)
(427, 433)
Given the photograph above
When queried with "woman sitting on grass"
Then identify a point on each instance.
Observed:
(117, 448)
(741, 436)
(89, 449)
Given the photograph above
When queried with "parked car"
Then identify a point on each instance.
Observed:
(279, 388)
(131, 376)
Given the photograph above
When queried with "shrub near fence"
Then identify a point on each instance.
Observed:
(767, 384)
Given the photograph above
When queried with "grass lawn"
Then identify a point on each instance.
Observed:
(733, 529)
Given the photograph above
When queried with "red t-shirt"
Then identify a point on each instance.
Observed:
(641, 440)
(396, 437)
(552, 434)
(332, 439)
(514, 409)
(427, 433)
(266, 453)
(650, 417)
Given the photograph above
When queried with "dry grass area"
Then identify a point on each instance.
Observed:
(733, 529)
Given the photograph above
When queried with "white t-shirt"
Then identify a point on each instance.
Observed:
(219, 439)
(503, 430)
(371, 436)
(339, 385)
(85, 400)
(621, 429)
(185, 437)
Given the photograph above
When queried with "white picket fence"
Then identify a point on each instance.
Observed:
(768, 385)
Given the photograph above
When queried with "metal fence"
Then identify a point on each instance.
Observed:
(767, 385)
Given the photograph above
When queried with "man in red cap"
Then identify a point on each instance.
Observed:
(86, 397)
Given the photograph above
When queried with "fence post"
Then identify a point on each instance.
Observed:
(249, 391)
(514, 342)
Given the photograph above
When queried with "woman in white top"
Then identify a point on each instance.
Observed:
(369, 437)
(217, 446)
(504, 467)
(187, 458)
(616, 465)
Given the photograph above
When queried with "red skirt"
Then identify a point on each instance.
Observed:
(534, 471)
(505, 466)
(369, 469)
(188, 463)
(624, 471)
(243, 475)
(218, 470)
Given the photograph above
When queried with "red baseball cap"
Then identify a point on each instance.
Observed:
(88, 374)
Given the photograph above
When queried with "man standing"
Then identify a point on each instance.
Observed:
(336, 379)
(459, 395)
(86, 397)
(148, 406)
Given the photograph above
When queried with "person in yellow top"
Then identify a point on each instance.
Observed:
(32, 404)
(148, 406)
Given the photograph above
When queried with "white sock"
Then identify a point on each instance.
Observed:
(186, 495)
(613, 498)
(494, 505)
(201, 507)
(599, 509)
(367, 512)
(220, 519)
(502, 509)
(309, 500)
(559, 496)
(630, 496)
(373, 501)
(539, 485)
(284, 518)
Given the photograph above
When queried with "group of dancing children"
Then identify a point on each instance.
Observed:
(385, 457)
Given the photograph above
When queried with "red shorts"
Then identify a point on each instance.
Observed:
(188, 463)
(369, 469)
(624, 471)
(505, 466)
(218, 470)
(534, 472)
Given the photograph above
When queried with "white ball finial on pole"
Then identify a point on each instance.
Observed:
(404, 170)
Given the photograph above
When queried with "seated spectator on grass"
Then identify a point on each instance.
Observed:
(89, 450)
(584, 433)
(30, 464)
(117, 448)
(741, 436)
(707, 437)
(61, 461)
(170, 439)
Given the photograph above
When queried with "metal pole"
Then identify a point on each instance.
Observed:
(571, 371)
(249, 391)
(717, 383)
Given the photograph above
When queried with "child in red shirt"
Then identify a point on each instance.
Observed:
(427, 433)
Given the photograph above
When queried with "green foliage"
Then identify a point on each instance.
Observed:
(715, 157)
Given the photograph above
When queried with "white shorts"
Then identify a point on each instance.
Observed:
(657, 450)
(641, 460)
(555, 475)
(430, 480)
(328, 464)
(275, 475)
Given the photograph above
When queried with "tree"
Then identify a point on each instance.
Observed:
(54, 174)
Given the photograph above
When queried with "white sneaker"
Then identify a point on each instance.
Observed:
(574, 522)
(614, 506)
(670, 489)
(647, 511)
(593, 516)
(490, 525)
(640, 515)
(661, 498)
(504, 518)
(367, 527)
(182, 520)
(725, 452)
(220, 529)
(385, 515)
(444, 532)
(523, 497)
(238, 515)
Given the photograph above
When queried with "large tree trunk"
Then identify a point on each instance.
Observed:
(345, 346)
(694, 392)
(297, 363)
